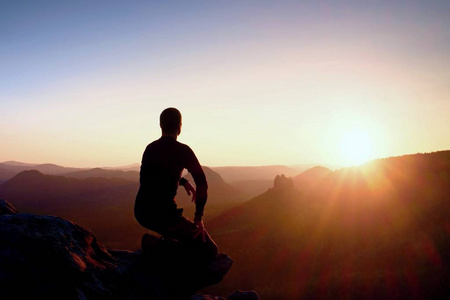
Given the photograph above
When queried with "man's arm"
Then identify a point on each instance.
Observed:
(194, 167)
(199, 207)
(189, 188)
(200, 231)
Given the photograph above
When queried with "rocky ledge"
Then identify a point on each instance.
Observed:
(49, 257)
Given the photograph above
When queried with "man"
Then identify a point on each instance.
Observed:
(155, 208)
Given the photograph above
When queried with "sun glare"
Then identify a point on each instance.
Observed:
(356, 147)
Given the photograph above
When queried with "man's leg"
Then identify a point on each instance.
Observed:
(183, 231)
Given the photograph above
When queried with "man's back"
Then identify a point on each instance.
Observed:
(162, 164)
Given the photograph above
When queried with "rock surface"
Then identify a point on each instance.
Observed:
(6, 208)
(46, 256)
(237, 295)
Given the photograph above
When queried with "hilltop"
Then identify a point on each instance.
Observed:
(376, 231)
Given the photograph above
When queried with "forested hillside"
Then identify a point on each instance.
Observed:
(377, 231)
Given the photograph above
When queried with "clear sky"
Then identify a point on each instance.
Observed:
(82, 83)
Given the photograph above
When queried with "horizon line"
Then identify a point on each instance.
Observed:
(21, 163)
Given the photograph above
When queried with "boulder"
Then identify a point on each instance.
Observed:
(53, 258)
(243, 295)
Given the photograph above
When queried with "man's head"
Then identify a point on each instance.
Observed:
(170, 121)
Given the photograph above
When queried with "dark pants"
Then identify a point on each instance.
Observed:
(175, 226)
(183, 231)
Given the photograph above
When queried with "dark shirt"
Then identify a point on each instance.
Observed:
(163, 162)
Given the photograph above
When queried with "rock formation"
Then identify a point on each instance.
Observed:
(283, 182)
(49, 257)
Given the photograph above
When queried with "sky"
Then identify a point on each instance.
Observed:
(82, 83)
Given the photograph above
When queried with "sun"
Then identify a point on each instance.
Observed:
(356, 147)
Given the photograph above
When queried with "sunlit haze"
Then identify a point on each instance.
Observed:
(356, 147)
(82, 83)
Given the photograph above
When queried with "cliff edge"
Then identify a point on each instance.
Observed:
(46, 256)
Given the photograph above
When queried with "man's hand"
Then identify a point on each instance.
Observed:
(200, 230)
(190, 190)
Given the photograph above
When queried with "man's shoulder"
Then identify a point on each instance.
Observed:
(183, 145)
(172, 143)
(185, 149)
(152, 144)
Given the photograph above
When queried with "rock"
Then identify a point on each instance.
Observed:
(206, 297)
(49, 257)
(283, 182)
(243, 295)
(6, 208)
(237, 295)
(164, 256)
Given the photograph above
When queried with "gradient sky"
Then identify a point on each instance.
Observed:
(82, 83)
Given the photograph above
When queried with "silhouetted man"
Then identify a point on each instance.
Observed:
(155, 208)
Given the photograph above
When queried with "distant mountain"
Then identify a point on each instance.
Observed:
(52, 169)
(105, 205)
(17, 164)
(376, 231)
(132, 167)
(6, 173)
(248, 180)
(32, 190)
(98, 172)
(11, 168)
(221, 192)
(311, 177)
(252, 188)
(233, 174)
